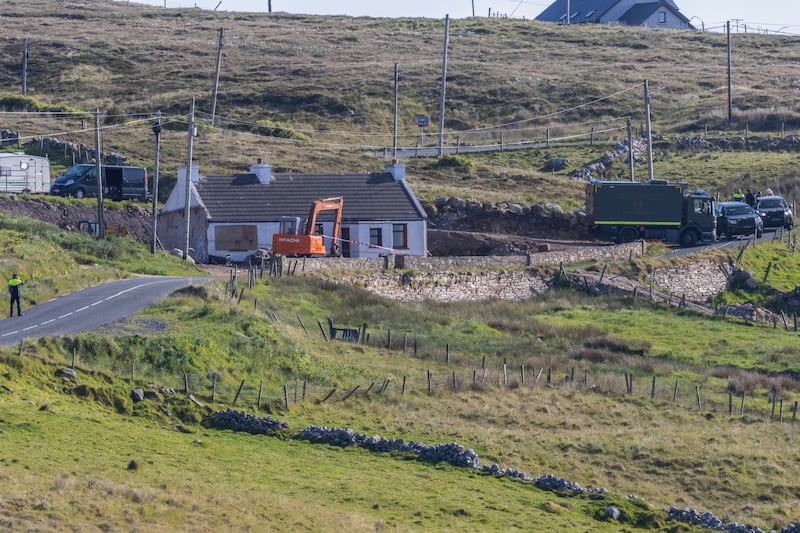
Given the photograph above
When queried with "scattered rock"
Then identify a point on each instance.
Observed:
(67, 373)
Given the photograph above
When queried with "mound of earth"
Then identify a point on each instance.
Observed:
(137, 218)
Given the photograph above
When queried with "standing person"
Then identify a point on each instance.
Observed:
(750, 198)
(14, 285)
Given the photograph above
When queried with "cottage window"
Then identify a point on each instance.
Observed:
(662, 17)
(375, 237)
(400, 236)
(5, 172)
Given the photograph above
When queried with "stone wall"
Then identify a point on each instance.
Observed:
(575, 254)
(698, 280)
(452, 286)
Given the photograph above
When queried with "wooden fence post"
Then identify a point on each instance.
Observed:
(260, 391)
(285, 397)
(730, 403)
(325, 399)
(238, 392)
(794, 412)
(186, 383)
(653, 389)
(741, 407)
(430, 389)
(675, 393)
(403, 390)
(454, 380)
(322, 329)
(699, 403)
(214, 388)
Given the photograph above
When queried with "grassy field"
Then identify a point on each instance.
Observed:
(331, 79)
(69, 446)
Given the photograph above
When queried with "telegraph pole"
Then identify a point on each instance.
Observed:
(444, 83)
(396, 81)
(25, 67)
(568, 10)
(630, 149)
(188, 189)
(649, 130)
(216, 76)
(473, 8)
(157, 132)
(730, 77)
(98, 170)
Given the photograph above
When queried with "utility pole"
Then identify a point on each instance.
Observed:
(630, 149)
(568, 10)
(730, 77)
(649, 130)
(269, 6)
(216, 76)
(157, 132)
(98, 170)
(444, 83)
(473, 8)
(25, 67)
(394, 143)
(188, 189)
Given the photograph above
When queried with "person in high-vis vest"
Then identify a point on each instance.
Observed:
(14, 285)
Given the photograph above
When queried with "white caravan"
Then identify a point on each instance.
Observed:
(20, 173)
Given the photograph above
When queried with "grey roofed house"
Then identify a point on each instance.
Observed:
(235, 215)
(652, 14)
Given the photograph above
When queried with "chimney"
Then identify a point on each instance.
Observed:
(262, 171)
(396, 169)
(182, 173)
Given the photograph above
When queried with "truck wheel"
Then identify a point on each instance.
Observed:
(689, 238)
(627, 235)
(79, 193)
(759, 233)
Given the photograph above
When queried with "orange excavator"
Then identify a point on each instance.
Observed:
(297, 240)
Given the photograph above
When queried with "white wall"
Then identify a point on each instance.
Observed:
(359, 233)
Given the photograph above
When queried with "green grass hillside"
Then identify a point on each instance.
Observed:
(538, 386)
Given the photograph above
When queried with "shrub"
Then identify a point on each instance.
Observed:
(276, 129)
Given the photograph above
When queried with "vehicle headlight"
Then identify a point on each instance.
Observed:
(732, 221)
(69, 182)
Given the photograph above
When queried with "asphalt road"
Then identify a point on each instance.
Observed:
(89, 308)
(769, 234)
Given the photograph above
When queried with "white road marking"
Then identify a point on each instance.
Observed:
(84, 308)
(65, 315)
(49, 321)
(10, 333)
(31, 327)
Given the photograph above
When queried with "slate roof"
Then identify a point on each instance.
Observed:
(367, 197)
(636, 15)
(595, 9)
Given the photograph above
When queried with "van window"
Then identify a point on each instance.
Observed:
(78, 171)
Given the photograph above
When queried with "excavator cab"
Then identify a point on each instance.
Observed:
(291, 225)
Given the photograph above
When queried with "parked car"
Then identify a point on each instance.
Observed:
(119, 182)
(737, 218)
(775, 212)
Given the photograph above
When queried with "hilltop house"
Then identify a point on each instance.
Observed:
(651, 14)
(236, 215)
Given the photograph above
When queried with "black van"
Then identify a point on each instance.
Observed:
(119, 182)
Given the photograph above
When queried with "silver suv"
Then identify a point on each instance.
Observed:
(775, 212)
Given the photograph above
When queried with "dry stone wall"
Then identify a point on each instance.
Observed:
(697, 280)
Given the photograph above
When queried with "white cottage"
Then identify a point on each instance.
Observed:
(236, 215)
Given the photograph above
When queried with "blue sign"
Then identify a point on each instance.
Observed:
(422, 122)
